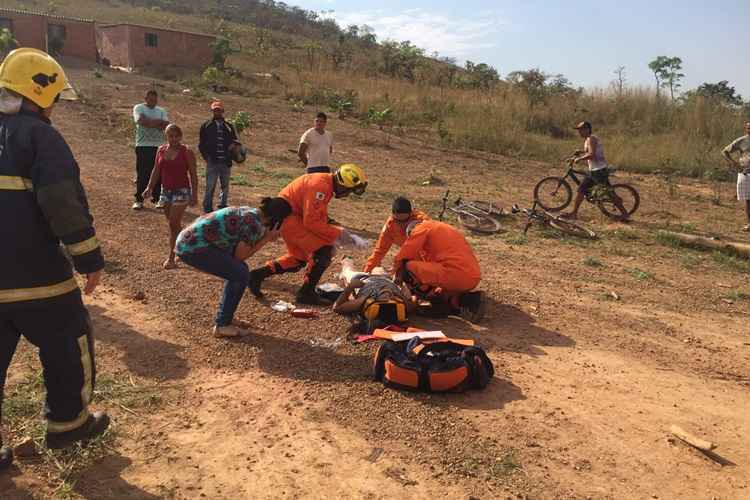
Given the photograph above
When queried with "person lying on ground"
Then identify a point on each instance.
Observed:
(438, 264)
(175, 169)
(394, 231)
(741, 145)
(593, 154)
(219, 243)
(375, 299)
(309, 236)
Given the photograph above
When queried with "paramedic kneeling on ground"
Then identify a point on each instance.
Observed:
(44, 204)
(438, 263)
(309, 237)
(394, 231)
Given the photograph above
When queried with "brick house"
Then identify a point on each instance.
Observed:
(132, 46)
(58, 35)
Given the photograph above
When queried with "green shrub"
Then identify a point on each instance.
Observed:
(241, 121)
(639, 274)
(592, 262)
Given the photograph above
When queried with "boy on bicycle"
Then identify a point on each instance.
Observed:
(593, 154)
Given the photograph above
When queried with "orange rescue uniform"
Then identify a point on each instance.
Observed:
(438, 255)
(393, 233)
(307, 229)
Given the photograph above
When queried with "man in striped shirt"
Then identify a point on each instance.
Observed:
(216, 137)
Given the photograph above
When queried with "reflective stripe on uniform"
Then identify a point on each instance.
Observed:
(83, 247)
(36, 293)
(86, 362)
(86, 390)
(15, 183)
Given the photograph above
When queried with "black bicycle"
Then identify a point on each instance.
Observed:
(477, 216)
(555, 193)
(543, 218)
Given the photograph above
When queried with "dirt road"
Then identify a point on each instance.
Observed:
(599, 346)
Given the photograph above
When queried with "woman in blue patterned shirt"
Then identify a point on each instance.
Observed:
(219, 243)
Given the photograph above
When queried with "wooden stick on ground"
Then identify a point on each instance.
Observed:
(735, 247)
(693, 441)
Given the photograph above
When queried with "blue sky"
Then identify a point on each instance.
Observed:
(583, 39)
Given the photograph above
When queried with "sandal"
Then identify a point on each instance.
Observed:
(241, 324)
(169, 264)
(746, 228)
(229, 331)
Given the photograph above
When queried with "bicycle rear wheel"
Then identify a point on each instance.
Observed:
(479, 223)
(572, 228)
(631, 200)
(553, 194)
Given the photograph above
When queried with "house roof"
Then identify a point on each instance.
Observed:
(43, 14)
(155, 28)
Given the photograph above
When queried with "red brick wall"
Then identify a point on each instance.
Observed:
(80, 39)
(173, 48)
(31, 31)
(114, 45)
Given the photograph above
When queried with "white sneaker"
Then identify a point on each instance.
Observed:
(229, 331)
(138, 205)
(159, 204)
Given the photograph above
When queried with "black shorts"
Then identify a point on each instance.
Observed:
(592, 179)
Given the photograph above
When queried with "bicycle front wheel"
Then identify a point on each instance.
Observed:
(553, 194)
(631, 200)
(479, 223)
(572, 229)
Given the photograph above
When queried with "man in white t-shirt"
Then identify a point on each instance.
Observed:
(741, 145)
(150, 122)
(316, 147)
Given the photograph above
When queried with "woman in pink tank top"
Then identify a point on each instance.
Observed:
(175, 167)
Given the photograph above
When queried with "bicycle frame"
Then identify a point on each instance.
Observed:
(573, 174)
(459, 207)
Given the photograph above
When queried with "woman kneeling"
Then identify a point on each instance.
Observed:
(219, 243)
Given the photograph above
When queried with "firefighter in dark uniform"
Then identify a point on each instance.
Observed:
(42, 204)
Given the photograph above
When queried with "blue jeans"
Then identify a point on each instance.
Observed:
(220, 263)
(214, 172)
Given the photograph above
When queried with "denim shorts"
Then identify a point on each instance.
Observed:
(179, 196)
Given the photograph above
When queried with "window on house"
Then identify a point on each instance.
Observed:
(152, 40)
(6, 23)
(55, 38)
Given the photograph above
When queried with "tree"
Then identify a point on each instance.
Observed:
(400, 59)
(667, 73)
(619, 83)
(720, 91)
(532, 81)
(7, 42)
(367, 35)
(480, 76)
(222, 49)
